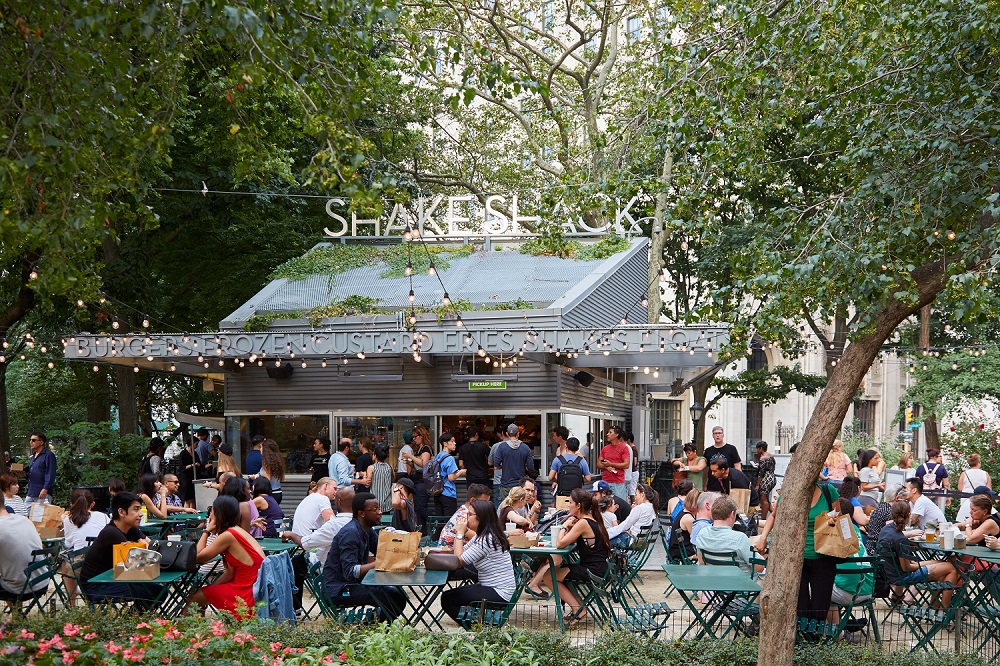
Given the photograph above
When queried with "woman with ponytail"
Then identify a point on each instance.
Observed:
(81, 522)
(900, 568)
(585, 529)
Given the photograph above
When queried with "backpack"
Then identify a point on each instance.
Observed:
(433, 480)
(930, 477)
(146, 466)
(570, 475)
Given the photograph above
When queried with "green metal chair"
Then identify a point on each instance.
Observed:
(922, 610)
(494, 615)
(742, 611)
(345, 616)
(629, 562)
(434, 526)
(39, 577)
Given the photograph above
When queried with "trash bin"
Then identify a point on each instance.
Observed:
(102, 498)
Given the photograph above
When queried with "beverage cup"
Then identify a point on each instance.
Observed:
(511, 527)
(930, 536)
(948, 539)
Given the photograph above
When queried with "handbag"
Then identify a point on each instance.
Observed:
(836, 540)
(437, 561)
(176, 555)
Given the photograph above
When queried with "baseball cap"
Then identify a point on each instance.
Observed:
(512, 429)
(226, 448)
(602, 487)
(983, 490)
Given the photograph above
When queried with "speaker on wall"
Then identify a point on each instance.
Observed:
(585, 378)
(280, 372)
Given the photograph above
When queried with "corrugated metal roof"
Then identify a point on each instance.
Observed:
(480, 278)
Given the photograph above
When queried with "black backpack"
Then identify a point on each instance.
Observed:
(570, 476)
(433, 481)
(146, 465)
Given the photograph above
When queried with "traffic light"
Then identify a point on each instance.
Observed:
(909, 416)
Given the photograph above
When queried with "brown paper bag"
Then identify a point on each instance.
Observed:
(562, 502)
(119, 554)
(836, 540)
(742, 498)
(145, 572)
(48, 519)
(397, 552)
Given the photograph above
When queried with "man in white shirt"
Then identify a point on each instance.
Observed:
(316, 508)
(320, 540)
(922, 510)
(720, 537)
(18, 537)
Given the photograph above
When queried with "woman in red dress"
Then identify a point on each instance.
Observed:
(242, 556)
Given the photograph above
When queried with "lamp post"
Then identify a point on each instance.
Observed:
(696, 412)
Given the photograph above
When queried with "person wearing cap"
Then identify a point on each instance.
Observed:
(514, 459)
(622, 507)
(226, 462)
(404, 516)
(974, 477)
(982, 522)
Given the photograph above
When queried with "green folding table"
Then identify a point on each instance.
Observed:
(176, 587)
(981, 596)
(549, 553)
(274, 546)
(724, 584)
(425, 585)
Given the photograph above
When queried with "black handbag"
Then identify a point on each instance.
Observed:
(176, 555)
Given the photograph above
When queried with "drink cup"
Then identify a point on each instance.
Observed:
(511, 527)
(948, 539)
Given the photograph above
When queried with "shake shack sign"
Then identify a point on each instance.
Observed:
(467, 216)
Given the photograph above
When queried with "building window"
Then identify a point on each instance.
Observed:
(634, 27)
(666, 423)
(755, 409)
(664, 19)
(549, 16)
(294, 434)
(864, 416)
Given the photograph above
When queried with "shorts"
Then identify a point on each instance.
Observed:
(920, 575)
(844, 598)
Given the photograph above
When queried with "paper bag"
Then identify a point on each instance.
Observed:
(523, 540)
(48, 519)
(16, 469)
(562, 502)
(119, 554)
(836, 540)
(397, 551)
(144, 572)
(742, 498)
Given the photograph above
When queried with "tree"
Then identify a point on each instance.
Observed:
(892, 102)
(96, 91)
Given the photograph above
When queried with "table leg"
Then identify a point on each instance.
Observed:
(422, 611)
(555, 592)
(699, 618)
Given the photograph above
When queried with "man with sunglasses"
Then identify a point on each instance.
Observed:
(42, 473)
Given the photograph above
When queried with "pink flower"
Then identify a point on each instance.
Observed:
(91, 636)
(69, 656)
(171, 634)
(342, 656)
(134, 654)
(70, 630)
(26, 634)
(982, 426)
(275, 647)
(218, 629)
(112, 648)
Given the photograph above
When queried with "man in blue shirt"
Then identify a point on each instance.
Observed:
(203, 450)
(446, 504)
(348, 562)
(514, 459)
(254, 457)
(341, 470)
(42, 473)
(570, 457)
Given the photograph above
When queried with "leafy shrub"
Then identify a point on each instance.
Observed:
(88, 454)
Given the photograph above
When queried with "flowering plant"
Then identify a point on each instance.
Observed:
(188, 640)
(972, 427)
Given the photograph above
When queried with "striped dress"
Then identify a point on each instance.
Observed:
(382, 478)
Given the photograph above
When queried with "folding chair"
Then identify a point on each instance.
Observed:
(494, 615)
(72, 564)
(38, 575)
(345, 616)
(629, 562)
(923, 613)
(860, 609)
(434, 525)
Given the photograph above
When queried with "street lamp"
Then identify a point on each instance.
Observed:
(696, 412)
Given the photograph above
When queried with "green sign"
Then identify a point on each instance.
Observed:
(627, 395)
(610, 392)
(495, 385)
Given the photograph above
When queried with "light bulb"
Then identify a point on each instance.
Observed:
(458, 322)
(79, 303)
(277, 362)
(33, 275)
(446, 300)
(303, 363)
(96, 368)
(135, 368)
(431, 270)
(51, 365)
(145, 321)
(172, 367)
(407, 233)
(323, 364)
(408, 271)
(411, 297)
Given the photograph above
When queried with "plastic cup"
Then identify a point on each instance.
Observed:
(511, 527)
(948, 539)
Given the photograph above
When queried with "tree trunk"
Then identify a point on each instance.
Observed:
(924, 342)
(779, 597)
(128, 412)
(658, 239)
(4, 423)
(931, 436)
